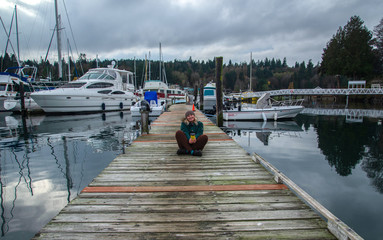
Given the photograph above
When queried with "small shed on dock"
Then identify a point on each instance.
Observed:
(357, 84)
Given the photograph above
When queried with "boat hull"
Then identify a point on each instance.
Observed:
(155, 112)
(15, 106)
(73, 104)
(273, 113)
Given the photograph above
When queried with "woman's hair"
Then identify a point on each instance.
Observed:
(187, 122)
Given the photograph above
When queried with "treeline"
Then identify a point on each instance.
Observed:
(267, 74)
(352, 54)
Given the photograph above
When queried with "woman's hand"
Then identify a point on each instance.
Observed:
(191, 141)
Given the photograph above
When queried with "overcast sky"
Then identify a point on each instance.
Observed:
(200, 29)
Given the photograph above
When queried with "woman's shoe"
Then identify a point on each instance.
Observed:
(182, 151)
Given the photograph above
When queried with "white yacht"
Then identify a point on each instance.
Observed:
(209, 98)
(100, 89)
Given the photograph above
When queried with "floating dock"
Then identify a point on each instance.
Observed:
(152, 193)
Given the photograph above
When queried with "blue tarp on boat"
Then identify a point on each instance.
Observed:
(150, 96)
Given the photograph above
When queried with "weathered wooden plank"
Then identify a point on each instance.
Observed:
(178, 208)
(104, 199)
(181, 182)
(178, 217)
(294, 234)
(185, 227)
(195, 195)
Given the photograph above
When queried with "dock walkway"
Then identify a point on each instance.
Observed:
(152, 193)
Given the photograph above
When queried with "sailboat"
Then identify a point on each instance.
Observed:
(173, 93)
(15, 79)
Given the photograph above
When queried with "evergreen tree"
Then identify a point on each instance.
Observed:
(349, 52)
(378, 41)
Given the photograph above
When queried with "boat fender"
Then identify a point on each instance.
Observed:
(103, 106)
(275, 116)
(264, 116)
(121, 105)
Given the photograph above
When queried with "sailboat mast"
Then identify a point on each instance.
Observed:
(68, 61)
(58, 28)
(160, 64)
(146, 69)
(149, 67)
(251, 69)
(17, 36)
(135, 75)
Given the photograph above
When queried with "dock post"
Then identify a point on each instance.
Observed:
(22, 99)
(145, 122)
(144, 110)
(201, 97)
(218, 79)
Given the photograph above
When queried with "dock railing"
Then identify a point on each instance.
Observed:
(334, 225)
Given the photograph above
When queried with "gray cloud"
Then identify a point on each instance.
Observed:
(297, 30)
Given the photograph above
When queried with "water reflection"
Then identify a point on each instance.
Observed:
(337, 161)
(47, 160)
(262, 130)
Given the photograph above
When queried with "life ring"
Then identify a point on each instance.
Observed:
(103, 106)
(121, 105)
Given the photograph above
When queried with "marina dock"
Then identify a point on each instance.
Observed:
(150, 192)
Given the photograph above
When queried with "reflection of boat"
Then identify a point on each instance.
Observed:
(209, 98)
(272, 126)
(264, 109)
(264, 131)
(100, 89)
(14, 122)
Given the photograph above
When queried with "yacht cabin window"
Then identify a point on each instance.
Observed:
(130, 78)
(105, 91)
(73, 85)
(208, 92)
(2, 87)
(118, 92)
(124, 77)
(100, 85)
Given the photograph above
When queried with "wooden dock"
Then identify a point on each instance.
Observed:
(152, 193)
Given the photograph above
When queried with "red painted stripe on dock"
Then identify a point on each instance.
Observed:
(210, 140)
(172, 134)
(164, 124)
(118, 189)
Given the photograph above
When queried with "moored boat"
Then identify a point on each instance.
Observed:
(156, 106)
(14, 104)
(98, 90)
(11, 79)
(264, 110)
(209, 98)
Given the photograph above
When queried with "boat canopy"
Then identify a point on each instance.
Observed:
(264, 101)
(105, 74)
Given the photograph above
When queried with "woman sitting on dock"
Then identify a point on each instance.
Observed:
(190, 138)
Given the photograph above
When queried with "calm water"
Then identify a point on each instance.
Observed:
(336, 159)
(46, 162)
